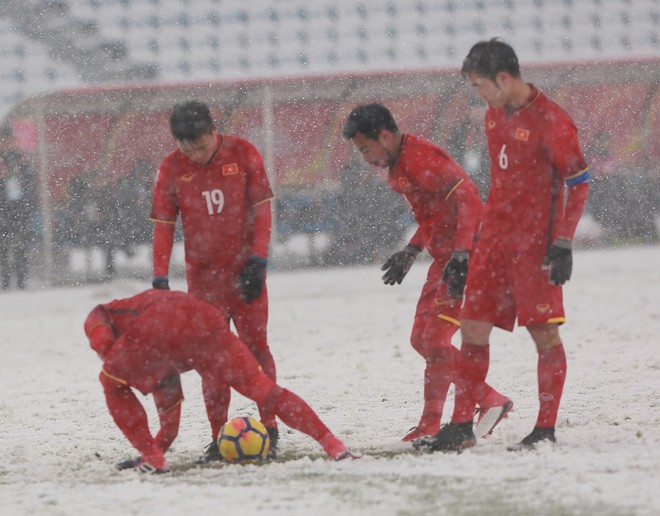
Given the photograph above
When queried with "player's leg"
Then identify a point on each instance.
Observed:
(436, 321)
(431, 338)
(251, 321)
(130, 417)
(488, 301)
(296, 413)
(216, 397)
(216, 392)
(541, 311)
(551, 371)
(168, 397)
(242, 371)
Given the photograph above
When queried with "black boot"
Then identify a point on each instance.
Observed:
(451, 437)
(538, 435)
(274, 435)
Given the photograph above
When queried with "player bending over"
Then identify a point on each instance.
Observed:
(148, 340)
(447, 207)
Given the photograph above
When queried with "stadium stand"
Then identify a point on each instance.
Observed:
(123, 63)
(47, 45)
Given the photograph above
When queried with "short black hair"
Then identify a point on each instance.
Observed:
(369, 120)
(190, 120)
(488, 58)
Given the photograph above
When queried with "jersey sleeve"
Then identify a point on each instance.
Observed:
(99, 331)
(566, 155)
(164, 207)
(468, 211)
(565, 152)
(258, 186)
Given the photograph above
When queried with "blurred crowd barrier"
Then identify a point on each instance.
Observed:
(96, 152)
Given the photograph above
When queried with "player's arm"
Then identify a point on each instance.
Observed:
(164, 213)
(418, 240)
(576, 200)
(99, 331)
(252, 277)
(569, 161)
(465, 198)
(262, 220)
(162, 252)
(468, 210)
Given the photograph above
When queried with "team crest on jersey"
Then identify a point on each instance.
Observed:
(543, 308)
(188, 177)
(522, 134)
(230, 169)
(403, 182)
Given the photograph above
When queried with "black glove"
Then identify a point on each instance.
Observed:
(161, 283)
(560, 261)
(455, 273)
(398, 265)
(252, 278)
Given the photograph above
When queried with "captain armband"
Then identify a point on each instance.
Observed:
(580, 177)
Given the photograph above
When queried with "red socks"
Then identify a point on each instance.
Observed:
(470, 381)
(551, 374)
(129, 414)
(438, 376)
(294, 412)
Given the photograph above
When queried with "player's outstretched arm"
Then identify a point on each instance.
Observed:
(398, 265)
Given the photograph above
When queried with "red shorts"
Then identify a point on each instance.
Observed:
(250, 320)
(434, 301)
(504, 285)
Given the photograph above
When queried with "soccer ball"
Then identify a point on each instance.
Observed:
(243, 440)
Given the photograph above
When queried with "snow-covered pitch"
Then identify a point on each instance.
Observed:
(340, 338)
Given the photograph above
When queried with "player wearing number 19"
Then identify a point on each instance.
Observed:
(217, 183)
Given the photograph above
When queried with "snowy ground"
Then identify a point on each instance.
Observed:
(340, 339)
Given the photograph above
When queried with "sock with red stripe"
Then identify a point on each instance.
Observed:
(296, 413)
(551, 377)
(129, 414)
(470, 380)
(438, 376)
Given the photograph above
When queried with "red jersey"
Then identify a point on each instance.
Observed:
(436, 188)
(534, 151)
(214, 201)
(165, 333)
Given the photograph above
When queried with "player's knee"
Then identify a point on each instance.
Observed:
(442, 355)
(432, 340)
(111, 383)
(417, 343)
